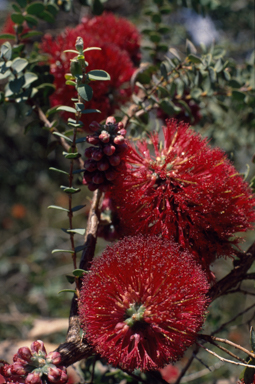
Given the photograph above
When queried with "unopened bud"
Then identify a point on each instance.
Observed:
(94, 126)
(33, 378)
(37, 346)
(104, 137)
(18, 369)
(54, 374)
(90, 165)
(79, 44)
(111, 174)
(98, 178)
(54, 358)
(114, 160)
(119, 140)
(110, 120)
(120, 125)
(92, 140)
(88, 176)
(24, 353)
(88, 152)
(97, 154)
(102, 165)
(122, 132)
(92, 187)
(109, 149)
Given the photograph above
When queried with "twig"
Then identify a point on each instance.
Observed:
(223, 359)
(211, 339)
(234, 277)
(188, 364)
(203, 372)
(233, 319)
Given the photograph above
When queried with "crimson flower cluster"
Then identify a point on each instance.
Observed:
(119, 45)
(152, 306)
(33, 365)
(187, 190)
(104, 159)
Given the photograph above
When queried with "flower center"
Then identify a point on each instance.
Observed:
(134, 314)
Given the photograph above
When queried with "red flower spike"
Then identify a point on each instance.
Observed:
(115, 58)
(187, 190)
(153, 303)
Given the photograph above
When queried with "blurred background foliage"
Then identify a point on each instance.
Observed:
(31, 276)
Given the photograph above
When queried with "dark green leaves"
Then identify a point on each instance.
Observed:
(85, 91)
(98, 74)
(35, 9)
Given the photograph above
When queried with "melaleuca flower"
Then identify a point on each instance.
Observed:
(186, 190)
(114, 59)
(143, 302)
(34, 366)
(104, 161)
(120, 32)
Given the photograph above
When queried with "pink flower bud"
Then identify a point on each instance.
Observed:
(103, 165)
(119, 140)
(54, 358)
(94, 126)
(114, 160)
(92, 187)
(54, 374)
(17, 359)
(111, 174)
(110, 120)
(24, 353)
(37, 346)
(63, 379)
(97, 154)
(122, 132)
(18, 369)
(104, 137)
(88, 152)
(98, 178)
(90, 165)
(120, 125)
(33, 378)
(109, 149)
(92, 140)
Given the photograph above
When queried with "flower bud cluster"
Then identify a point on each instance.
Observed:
(104, 158)
(32, 366)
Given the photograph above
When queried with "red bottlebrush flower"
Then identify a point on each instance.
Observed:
(187, 190)
(143, 302)
(114, 59)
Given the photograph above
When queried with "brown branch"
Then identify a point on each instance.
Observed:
(76, 348)
(238, 274)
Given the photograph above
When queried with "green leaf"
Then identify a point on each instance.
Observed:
(51, 111)
(85, 91)
(31, 34)
(190, 47)
(237, 95)
(53, 9)
(71, 156)
(77, 171)
(31, 20)
(8, 36)
(163, 71)
(163, 29)
(35, 9)
(67, 290)
(30, 77)
(155, 37)
(252, 339)
(6, 50)
(47, 16)
(97, 7)
(16, 84)
(92, 49)
(63, 136)
(213, 75)
(71, 51)
(77, 208)
(98, 74)
(156, 18)
(218, 66)
(86, 111)
(195, 93)
(19, 64)
(22, 3)
(60, 171)
(57, 207)
(66, 109)
(79, 248)
(62, 250)
(175, 53)
(71, 82)
(79, 272)
(70, 190)
(195, 59)
(70, 278)
(17, 18)
(165, 10)
(79, 231)
(167, 106)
